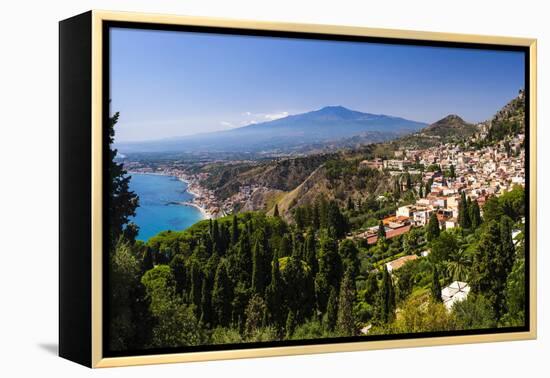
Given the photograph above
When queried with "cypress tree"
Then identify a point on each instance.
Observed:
(350, 258)
(346, 322)
(386, 299)
(381, 231)
(316, 218)
(285, 247)
(310, 253)
(206, 310)
(234, 230)
(350, 205)
(244, 255)
(290, 324)
(452, 171)
(463, 212)
(433, 231)
(177, 266)
(330, 270)
(122, 201)
(408, 181)
(222, 295)
(274, 294)
(427, 189)
(332, 309)
(276, 211)
(436, 286)
(475, 215)
(397, 188)
(371, 290)
(258, 273)
(196, 289)
(336, 220)
(504, 261)
(255, 315)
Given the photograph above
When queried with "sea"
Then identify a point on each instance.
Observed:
(160, 207)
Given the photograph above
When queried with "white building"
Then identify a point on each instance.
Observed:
(455, 292)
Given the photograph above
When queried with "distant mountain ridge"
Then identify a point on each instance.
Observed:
(294, 132)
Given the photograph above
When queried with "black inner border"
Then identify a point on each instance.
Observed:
(107, 25)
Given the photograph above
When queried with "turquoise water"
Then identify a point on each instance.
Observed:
(158, 210)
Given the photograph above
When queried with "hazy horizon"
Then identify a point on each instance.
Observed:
(175, 84)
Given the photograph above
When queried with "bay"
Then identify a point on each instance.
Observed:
(160, 207)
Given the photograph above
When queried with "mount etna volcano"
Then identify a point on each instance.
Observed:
(316, 129)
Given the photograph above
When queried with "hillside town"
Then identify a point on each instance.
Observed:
(479, 173)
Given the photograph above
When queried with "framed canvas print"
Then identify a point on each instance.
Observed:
(235, 189)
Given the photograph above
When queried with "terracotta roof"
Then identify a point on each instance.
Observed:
(398, 263)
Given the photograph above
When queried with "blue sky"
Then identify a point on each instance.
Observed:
(167, 84)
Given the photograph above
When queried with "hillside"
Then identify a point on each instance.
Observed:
(451, 126)
(447, 129)
(294, 133)
(507, 122)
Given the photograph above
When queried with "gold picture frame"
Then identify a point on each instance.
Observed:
(93, 26)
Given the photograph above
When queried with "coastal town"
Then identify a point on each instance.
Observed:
(445, 171)
(478, 173)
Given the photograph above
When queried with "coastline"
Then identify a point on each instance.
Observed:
(206, 213)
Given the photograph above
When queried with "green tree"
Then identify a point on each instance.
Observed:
(179, 271)
(330, 270)
(290, 324)
(386, 299)
(206, 304)
(515, 296)
(381, 231)
(122, 201)
(234, 230)
(195, 291)
(316, 218)
(490, 268)
(258, 269)
(474, 313)
(175, 323)
(475, 215)
(408, 181)
(336, 220)
(458, 267)
(436, 285)
(274, 295)
(222, 295)
(310, 252)
(492, 211)
(350, 206)
(349, 255)
(464, 212)
(244, 255)
(432, 231)
(346, 321)
(124, 273)
(286, 246)
(255, 315)
(371, 289)
(332, 309)
(444, 247)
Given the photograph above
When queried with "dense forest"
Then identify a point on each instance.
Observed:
(255, 277)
